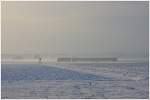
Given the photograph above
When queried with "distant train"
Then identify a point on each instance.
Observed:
(68, 59)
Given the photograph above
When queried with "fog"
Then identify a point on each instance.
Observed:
(99, 28)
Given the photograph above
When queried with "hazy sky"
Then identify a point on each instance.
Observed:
(75, 28)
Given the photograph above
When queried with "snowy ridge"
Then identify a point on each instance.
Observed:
(113, 72)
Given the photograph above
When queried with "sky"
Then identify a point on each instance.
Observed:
(76, 28)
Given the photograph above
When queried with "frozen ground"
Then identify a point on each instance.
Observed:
(118, 71)
(75, 80)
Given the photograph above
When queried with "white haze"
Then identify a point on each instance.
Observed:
(76, 28)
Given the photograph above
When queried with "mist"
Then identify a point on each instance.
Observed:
(92, 28)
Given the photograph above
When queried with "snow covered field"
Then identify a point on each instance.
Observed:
(75, 80)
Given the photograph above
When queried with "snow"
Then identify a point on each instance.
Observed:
(74, 89)
(75, 81)
(117, 71)
(13, 72)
